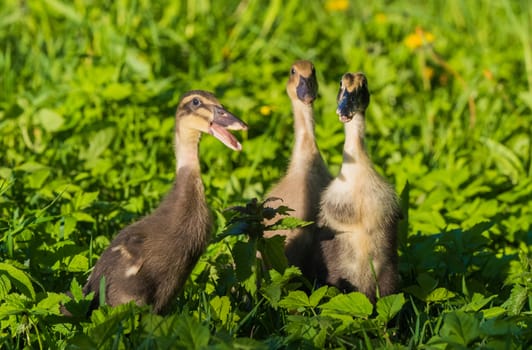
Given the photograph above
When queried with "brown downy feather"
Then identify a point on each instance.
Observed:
(307, 174)
(149, 261)
(359, 210)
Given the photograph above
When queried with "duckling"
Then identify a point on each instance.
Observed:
(359, 210)
(307, 175)
(149, 261)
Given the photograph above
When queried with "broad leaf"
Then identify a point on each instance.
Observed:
(272, 252)
(517, 299)
(295, 300)
(439, 295)
(18, 278)
(354, 304)
(317, 296)
(389, 306)
(461, 327)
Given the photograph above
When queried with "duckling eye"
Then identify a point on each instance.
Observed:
(196, 102)
(292, 71)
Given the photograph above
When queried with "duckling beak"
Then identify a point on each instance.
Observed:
(221, 123)
(307, 89)
(352, 102)
(344, 110)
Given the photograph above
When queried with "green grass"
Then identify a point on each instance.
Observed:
(88, 91)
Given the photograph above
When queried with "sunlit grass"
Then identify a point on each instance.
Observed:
(88, 91)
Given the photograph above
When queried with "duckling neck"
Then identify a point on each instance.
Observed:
(187, 194)
(304, 142)
(186, 150)
(354, 150)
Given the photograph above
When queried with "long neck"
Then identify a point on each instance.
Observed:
(354, 150)
(186, 150)
(304, 144)
(186, 200)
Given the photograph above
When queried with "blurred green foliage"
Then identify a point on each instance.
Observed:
(88, 90)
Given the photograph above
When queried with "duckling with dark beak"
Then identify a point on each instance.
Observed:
(359, 210)
(307, 175)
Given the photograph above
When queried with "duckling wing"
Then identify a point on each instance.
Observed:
(130, 252)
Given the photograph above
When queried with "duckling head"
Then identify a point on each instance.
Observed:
(302, 84)
(353, 96)
(200, 110)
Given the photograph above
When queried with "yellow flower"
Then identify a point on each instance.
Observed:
(488, 74)
(265, 110)
(336, 5)
(381, 18)
(413, 41)
(429, 37)
(419, 38)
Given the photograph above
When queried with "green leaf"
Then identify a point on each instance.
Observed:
(19, 278)
(425, 285)
(493, 312)
(460, 327)
(5, 285)
(108, 322)
(31, 166)
(117, 91)
(37, 178)
(439, 295)
(526, 97)
(245, 258)
(193, 335)
(477, 302)
(66, 226)
(247, 344)
(14, 304)
(139, 63)
(500, 327)
(289, 223)
(98, 143)
(50, 304)
(83, 217)
(236, 228)
(85, 199)
(389, 306)
(354, 304)
(76, 290)
(101, 291)
(51, 121)
(272, 252)
(221, 307)
(295, 300)
(507, 160)
(517, 299)
(402, 235)
(317, 295)
(273, 290)
(78, 263)
(79, 305)
(65, 10)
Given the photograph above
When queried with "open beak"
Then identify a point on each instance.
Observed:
(307, 89)
(221, 123)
